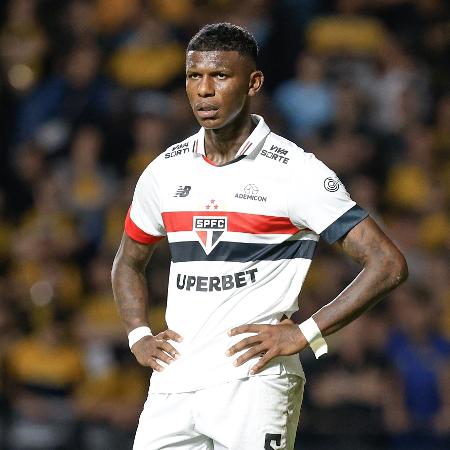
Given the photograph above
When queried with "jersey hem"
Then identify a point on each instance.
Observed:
(279, 365)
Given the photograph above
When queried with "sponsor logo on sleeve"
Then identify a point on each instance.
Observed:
(332, 184)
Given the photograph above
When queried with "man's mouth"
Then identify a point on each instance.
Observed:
(206, 111)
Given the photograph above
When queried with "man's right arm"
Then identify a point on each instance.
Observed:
(130, 293)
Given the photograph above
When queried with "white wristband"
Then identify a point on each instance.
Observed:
(137, 334)
(313, 335)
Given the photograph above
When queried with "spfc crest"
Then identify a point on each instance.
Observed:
(209, 229)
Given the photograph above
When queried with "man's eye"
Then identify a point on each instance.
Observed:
(221, 76)
(194, 76)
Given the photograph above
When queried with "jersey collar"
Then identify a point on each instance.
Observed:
(253, 142)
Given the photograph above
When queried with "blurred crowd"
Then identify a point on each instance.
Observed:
(92, 90)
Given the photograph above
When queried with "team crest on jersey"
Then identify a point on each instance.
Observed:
(209, 229)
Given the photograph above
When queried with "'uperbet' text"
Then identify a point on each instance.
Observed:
(223, 283)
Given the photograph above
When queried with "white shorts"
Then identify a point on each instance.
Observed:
(255, 413)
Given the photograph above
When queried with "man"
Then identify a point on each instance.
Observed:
(242, 209)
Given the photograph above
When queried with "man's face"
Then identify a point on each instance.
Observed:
(218, 84)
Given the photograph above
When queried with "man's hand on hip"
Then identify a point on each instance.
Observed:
(284, 338)
(151, 350)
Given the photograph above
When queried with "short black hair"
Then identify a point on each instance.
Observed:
(227, 37)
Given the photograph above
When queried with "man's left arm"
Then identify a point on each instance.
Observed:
(384, 268)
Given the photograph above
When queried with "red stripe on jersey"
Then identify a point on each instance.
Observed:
(138, 235)
(209, 161)
(237, 222)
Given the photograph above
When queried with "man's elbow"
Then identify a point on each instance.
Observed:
(115, 269)
(398, 268)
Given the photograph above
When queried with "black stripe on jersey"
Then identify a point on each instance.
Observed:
(242, 252)
(344, 224)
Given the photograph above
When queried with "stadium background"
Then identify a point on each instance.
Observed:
(92, 90)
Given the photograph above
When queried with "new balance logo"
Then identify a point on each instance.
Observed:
(182, 191)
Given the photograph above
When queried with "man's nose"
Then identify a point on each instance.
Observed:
(206, 87)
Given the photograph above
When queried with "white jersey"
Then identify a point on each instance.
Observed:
(241, 237)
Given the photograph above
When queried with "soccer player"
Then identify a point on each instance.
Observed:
(242, 209)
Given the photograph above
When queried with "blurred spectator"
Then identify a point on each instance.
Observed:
(22, 45)
(150, 139)
(77, 93)
(98, 319)
(308, 101)
(48, 221)
(254, 16)
(366, 193)
(29, 168)
(349, 115)
(114, 215)
(347, 32)
(149, 57)
(441, 143)
(357, 382)
(9, 334)
(6, 232)
(114, 15)
(42, 269)
(180, 116)
(348, 154)
(421, 355)
(109, 404)
(81, 21)
(398, 90)
(85, 185)
(44, 369)
(409, 182)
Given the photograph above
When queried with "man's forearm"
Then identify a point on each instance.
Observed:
(363, 293)
(130, 295)
(384, 269)
(129, 282)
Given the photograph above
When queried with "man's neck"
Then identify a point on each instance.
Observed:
(221, 145)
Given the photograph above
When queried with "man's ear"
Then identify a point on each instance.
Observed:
(255, 83)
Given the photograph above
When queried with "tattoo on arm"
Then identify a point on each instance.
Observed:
(129, 282)
(384, 268)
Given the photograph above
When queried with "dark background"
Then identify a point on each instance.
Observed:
(92, 91)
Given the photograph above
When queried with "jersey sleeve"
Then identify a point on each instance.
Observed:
(319, 201)
(144, 223)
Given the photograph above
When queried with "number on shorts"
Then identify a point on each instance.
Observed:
(270, 438)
